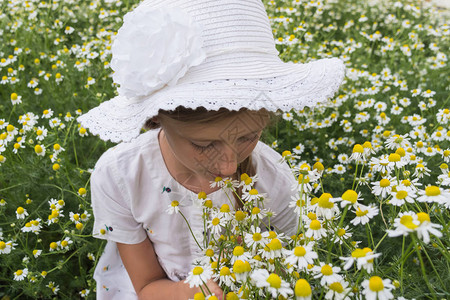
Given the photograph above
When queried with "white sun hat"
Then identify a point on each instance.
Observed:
(203, 53)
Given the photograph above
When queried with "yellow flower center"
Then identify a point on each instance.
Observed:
(299, 251)
(174, 203)
(225, 271)
(423, 217)
(324, 201)
(225, 208)
(38, 149)
(312, 216)
(406, 182)
(2, 245)
(407, 221)
(239, 215)
(241, 267)
(337, 287)
(19, 272)
(358, 149)
(218, 179)
(257, 236)
(253, 192)
(385, 182)
(64, 243)
(302, 288)
(275, 244)
(274, 280)
(318, 166)
(341, 232)
(400, 151)
(394, 157)
(256, 210)
(197, 270)
(360, 213)
(216, 221)
(350, 195)
(376, 284)
(432, 191)
(315, 225)
(358, 253)
(238, 251)
(326, 270)
(53, 245)
(20, 210)
(401, 195)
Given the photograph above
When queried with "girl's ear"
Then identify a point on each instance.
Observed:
(155, 120)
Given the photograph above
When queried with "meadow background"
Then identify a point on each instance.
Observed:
(54, 65)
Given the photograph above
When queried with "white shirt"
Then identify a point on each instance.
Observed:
(130, 197)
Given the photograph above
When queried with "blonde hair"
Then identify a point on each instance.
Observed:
(202, 116)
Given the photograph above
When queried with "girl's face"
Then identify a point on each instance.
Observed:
(205, 151)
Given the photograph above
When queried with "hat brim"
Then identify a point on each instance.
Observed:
(121, 120)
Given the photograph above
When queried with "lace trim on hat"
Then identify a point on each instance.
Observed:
(118, 121)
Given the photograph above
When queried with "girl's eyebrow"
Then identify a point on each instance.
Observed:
(215, 140)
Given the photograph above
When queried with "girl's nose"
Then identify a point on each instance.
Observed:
(227, 161)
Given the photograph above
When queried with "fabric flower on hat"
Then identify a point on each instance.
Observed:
(154, 48)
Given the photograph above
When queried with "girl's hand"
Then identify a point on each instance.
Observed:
(214, 288)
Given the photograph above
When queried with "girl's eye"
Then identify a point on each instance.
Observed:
(248, 139)
(201, 148)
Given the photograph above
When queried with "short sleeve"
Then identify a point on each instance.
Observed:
(113, 218)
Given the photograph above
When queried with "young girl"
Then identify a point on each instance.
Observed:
(203, 77)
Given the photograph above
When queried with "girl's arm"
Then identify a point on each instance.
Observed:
(149, 279)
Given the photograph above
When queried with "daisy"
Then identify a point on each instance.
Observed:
(198, 276)
(20, 275)
(41, 133)
(301, 256)
(363, 257)
(239, 253)
(36, 253)
(382, 187)
(5, 248)
(338, 290)
(272, 282)
(316, 230)
(225, 277)
(377, 288)
(241, 269)
(401, 195)
(433, 194)
(426, 227)
(255, 239)
(252, 195)
(326, 207)
(215, 225)
(405, 223)
(40, 150)
(21, 213)
(173, 207)
(342, 234)
(350, 197)
(302, 290)
(364, 214)
(247, 182)
(47, 114)
(84, 293)
(273, 249)
(327, 273)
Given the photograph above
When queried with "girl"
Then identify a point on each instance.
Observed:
(203, 77)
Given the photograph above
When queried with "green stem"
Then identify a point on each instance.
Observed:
(189, 226)
(422, 266)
